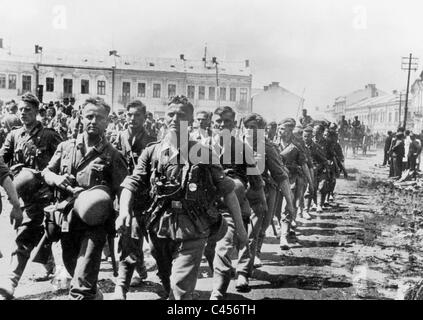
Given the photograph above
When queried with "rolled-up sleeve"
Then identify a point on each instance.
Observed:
(141, 174)
(4, 171)
(54, 163)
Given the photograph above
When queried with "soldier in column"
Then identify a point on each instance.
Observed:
(130, 143)
(237, 159)
(184, 179)
(93, 167)
(28, 150)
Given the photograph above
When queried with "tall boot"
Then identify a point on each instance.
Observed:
(285, 228)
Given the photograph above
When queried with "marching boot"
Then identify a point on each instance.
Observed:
(283, 241)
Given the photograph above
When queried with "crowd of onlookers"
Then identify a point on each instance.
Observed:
(402, 151)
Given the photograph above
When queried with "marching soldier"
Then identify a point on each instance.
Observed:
(237, 159)
(319, 161)
(92, 164)
(295, 161)
(28, 150)
(203, 133)
(183, 186)
(276, 178)
(131, 142)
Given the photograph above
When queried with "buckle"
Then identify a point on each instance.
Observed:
(176, 204)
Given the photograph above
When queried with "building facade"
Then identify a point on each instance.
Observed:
(122, 79)
(275, 102)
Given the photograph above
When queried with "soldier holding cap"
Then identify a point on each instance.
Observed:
(88, 162)
(183, 185)
(28, 150)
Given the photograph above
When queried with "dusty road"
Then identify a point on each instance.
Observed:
(365, 246)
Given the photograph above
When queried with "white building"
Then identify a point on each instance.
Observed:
(122, 79)
(275, 103)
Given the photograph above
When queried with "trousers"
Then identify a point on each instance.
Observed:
(178, 264)
(81, 251)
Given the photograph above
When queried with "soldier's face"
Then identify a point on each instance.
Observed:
(135, 118)
(28, 113)
(224, 121)
(203, 122)
(176, 114)
(307, 137)
(94, 119)
(285, 132)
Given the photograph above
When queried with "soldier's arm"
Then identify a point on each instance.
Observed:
(225, 187)
(130, 186)
(275, 165)
(51, 172)
(119, 172)
(7, 149)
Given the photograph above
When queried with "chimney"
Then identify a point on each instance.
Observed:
(275, 84)
(266, 88)
(395, 91)
(247, 63)
(373, 90)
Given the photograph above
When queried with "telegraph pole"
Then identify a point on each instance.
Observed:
(411, 65)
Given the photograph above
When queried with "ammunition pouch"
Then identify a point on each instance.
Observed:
(57, 219)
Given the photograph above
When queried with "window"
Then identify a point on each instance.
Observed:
(212, 93)
(12, 81)
(67, 86)
(2, 81)
(232, 94)
(223, 94)
(126, 89)
(171, 90)
(101, 87)
(49, 84)
(85, 86)
(396, 116)
(156, 90)
(201, 92)
(390, 117)
(26, 83)
(243, 94)
(141, 90)
(191, 92)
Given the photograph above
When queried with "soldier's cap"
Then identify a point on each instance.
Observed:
(298, 129)
(203, 114)
(318, 127)
(273, 124)
(308, 129)
(261, 123)
(333, 126)
(287, 123)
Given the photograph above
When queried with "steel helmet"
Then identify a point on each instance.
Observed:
(94, 205)
(27, 183)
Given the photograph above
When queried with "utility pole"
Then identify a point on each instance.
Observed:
(399, 113)
(214, 60)
(411, 65)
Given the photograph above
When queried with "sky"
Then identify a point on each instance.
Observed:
(322, 48)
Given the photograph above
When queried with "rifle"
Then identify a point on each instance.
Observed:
(340, 166)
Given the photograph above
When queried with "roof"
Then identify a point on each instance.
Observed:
(237, 68)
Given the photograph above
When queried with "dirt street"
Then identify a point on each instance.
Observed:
(367, 245)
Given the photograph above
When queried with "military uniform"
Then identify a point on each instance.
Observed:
(274, 174)
(237, 163)
(33, 150)
(131, 242)
(181, 216)
(83, 244)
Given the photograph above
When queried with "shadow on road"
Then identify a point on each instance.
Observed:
(296, 281)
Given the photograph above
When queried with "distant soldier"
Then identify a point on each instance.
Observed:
(91, 163)
(10, 120)
(182, 215)
(204, 132)
(130, 143)
(305, 119)
(28, 150)
(386, 147)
